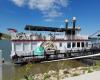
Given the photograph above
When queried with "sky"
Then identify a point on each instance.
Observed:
(18, 13)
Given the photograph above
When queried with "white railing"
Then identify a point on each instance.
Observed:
(76, 37)
(47, 37)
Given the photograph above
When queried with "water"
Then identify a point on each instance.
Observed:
(5, 46)
(15, 72)
(9, 71)
(0, 71)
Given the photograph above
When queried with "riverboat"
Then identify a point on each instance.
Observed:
(47, 43)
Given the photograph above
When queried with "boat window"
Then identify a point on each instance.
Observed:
(82, 44)
(86, 44)
(34, 44)
(60, 44)
(18, 47)
(73, 44)
(69, 45)
(26, 46)
(78, 44)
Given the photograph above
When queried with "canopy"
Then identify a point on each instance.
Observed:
(42, 28)
(68, 31)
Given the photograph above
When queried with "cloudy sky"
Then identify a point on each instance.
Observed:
(18, 13)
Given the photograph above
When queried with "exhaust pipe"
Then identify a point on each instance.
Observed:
(66, 23)
(74, 22)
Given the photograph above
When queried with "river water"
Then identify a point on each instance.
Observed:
(9, 71)
(5, 46)
(16, 72)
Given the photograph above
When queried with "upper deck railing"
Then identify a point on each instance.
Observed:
(23, 36)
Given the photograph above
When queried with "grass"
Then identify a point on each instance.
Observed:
(28, 68)
(98, 63)
(97, 66)
(89, 70)
(75, 74)
(46, 76)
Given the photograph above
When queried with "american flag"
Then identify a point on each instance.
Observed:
(12, 30)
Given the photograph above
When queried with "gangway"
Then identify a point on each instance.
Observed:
(80, 57)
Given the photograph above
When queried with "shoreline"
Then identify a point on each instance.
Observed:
(90, 76)
(62, 74)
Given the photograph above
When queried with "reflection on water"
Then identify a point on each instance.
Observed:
(0, 71)
(5, 46)
(15, 72)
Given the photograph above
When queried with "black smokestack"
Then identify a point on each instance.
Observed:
(66, 23)
(74, 22)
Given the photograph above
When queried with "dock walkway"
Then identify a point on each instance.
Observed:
(89, 76)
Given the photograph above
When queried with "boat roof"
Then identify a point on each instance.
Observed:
(98, 35)
(43, 28)
(52, 29)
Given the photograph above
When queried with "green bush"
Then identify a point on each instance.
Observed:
(89, 71)
(46, 76)
(75, 74)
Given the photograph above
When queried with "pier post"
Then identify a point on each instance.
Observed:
(0, 64)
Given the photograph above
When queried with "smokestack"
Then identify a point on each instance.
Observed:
(74, 22)
(66, 22)
(66, 25)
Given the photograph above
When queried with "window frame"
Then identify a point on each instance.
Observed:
(79, 44)
(60, 44)
(82, 44)
(74, 44)
(69, 45)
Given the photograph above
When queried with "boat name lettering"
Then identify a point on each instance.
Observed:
(21, 36)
